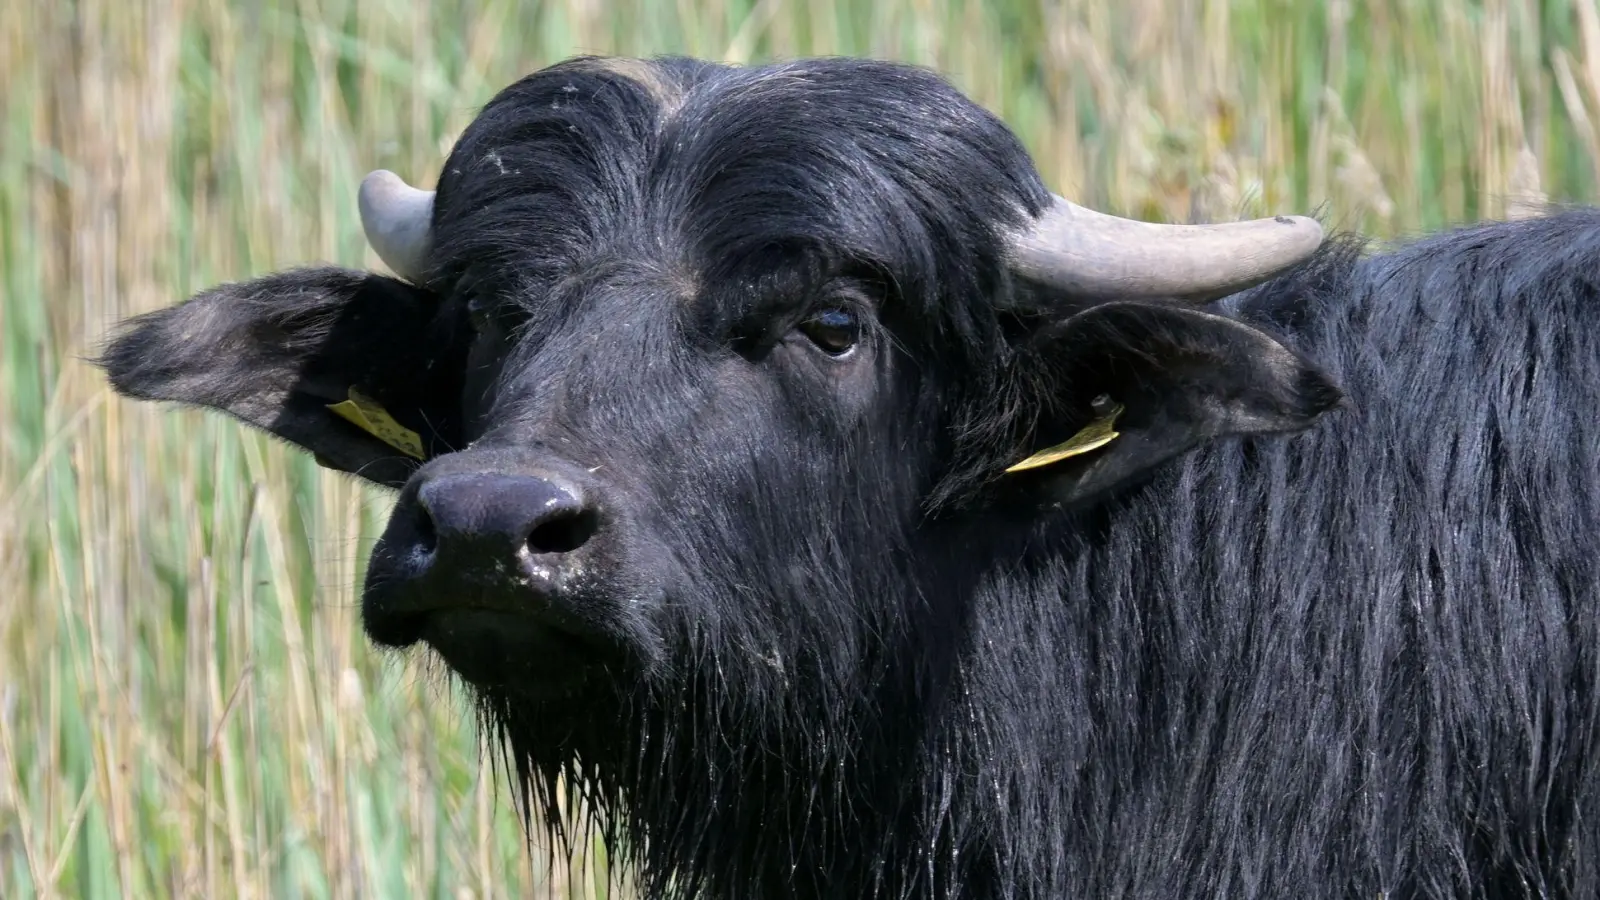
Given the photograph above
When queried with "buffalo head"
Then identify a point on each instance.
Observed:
(700, 387)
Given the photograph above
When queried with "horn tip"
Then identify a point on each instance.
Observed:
(1307, 230)
(379, 178)
(380, 185)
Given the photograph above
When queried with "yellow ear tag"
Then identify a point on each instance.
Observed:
(1095, 435)
(367, 415)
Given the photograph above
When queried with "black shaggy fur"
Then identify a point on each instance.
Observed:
(1217, 660)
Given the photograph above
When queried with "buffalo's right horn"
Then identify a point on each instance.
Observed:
(1096, 255)
(397, 219)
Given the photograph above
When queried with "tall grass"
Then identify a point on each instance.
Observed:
(187, 707)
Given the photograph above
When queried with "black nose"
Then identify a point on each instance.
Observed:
(484, 519)
(501, 564)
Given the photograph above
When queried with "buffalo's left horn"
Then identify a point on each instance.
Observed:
(1096, 255)
(397, 219)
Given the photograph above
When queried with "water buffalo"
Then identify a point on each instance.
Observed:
(839, 513)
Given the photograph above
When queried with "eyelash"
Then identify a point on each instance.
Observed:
(834, 330)
(488, 316)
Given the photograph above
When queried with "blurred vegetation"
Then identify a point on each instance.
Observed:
(187, 706)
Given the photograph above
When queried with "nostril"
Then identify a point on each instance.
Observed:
(477, 518)
(565, 532)
(427, 531)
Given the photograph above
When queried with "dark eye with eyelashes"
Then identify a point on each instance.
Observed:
(478, 313)
(835, 331)
(488, 314)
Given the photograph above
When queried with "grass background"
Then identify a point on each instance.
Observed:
(187, 706)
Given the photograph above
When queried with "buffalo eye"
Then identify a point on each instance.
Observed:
(480, 312)
(834, 331)
(490, 316)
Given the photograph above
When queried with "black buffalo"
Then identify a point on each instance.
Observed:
(719, 380)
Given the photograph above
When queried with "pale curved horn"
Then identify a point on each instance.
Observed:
(397, 219)
(1097, 255)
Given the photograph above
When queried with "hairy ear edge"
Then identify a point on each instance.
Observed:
(362, 370)
(1159, 381)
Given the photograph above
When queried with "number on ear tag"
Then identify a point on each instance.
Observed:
(365, 413)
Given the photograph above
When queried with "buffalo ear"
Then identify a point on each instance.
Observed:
(1164, 380)
(279, 351)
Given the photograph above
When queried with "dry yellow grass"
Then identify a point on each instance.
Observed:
(187, 706)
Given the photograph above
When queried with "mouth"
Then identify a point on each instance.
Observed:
(504, 650)
(499, 649)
